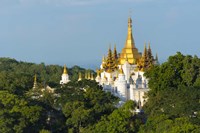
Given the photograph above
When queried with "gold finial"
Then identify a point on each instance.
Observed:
(65, 70)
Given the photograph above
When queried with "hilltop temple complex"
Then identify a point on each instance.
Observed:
(123, 74)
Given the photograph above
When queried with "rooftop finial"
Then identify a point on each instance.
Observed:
(65, 69)
(149, 47)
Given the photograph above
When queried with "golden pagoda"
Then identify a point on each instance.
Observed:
(130, 51)
(65, 70)
(35, 82)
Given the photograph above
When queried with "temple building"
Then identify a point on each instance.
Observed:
(65, 76)
(122, 74)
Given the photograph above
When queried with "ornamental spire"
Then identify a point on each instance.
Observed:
(109, 62)
(149, 53)
(130, 50)
(130, 41)
(65, 70)
(35, 82)
(143, 63)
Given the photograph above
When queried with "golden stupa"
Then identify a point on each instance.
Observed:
(129, 52)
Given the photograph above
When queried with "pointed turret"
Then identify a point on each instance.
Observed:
(145, 51)
(149, 56)
(65, 76)
(110, 65)
(65, 70)
(130, 50)
(149, 51)
(156, 59)
(143, 63)
(115, 58)
(35, 82)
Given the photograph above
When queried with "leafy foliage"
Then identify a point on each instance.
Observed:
(173, 101)
(16, 114)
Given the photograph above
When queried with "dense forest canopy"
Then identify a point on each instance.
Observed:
(82, 106)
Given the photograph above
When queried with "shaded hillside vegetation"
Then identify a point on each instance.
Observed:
(17, 76)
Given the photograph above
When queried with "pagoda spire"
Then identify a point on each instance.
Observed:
(65, 70)
(156, 56)
(149, 52)
(115, 53)
(145, 50)
(35, 82)
(143, 63)
(115, 58)
(65, 76)
(129, 49)
(130, 41)
(109, 62)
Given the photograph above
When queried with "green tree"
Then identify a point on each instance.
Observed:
(121, 120)
(16, 115)
(173, 100)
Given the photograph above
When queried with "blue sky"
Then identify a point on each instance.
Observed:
(79, 32)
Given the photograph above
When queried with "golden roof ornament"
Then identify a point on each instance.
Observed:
(35, 82)
(129, 49)
(65, 70)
